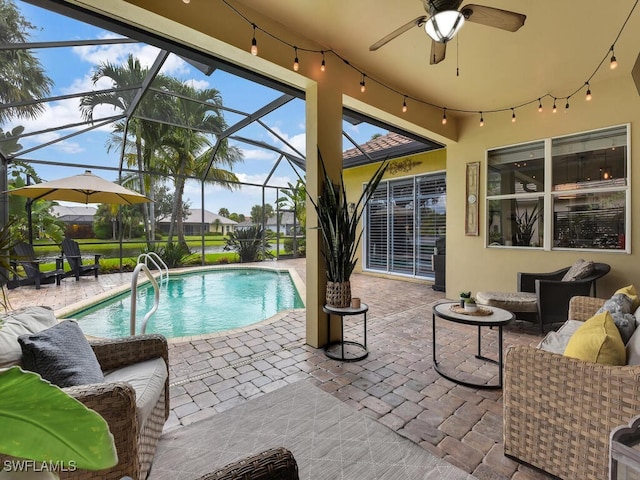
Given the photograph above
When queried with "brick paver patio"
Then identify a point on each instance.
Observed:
(395, 384)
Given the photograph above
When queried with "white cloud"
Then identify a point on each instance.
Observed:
(299, 141)
(117, 54)
(255, 154)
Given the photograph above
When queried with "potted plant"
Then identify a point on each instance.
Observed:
(470, 304)
(338, 223)
(525, 223)
(463, 297)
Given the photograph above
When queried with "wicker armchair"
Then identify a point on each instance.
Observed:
(116, 402)
(559, 411)
(272, 464)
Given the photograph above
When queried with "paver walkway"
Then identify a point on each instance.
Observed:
(395, 384)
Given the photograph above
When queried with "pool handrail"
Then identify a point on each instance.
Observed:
(153, 256)
(134, 288)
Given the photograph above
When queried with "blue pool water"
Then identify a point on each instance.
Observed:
(197, 303)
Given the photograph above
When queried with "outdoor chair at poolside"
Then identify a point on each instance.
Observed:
(25, 256)
(71, 250)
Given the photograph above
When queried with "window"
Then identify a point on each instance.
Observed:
(406, 225)
(576, 185)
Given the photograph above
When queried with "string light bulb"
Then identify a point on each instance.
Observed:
(554, 109)
(614, 62)
(363, 87)
(323, 65)
(513, 115)
(588, 96)
(186, 1)
(481, 120)
(404, 105)
(296, 64)
(539, 105)
(444, 116)
(566, 106)
(254, 42)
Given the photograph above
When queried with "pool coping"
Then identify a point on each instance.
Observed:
(68, 311)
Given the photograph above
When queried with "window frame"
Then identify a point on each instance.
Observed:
(548, 195)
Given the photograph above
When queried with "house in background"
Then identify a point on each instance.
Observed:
(285, 226)
(78, 220)
(193, 225)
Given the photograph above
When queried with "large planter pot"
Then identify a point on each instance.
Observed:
(338, 294)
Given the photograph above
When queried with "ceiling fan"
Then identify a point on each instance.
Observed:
(444, 20)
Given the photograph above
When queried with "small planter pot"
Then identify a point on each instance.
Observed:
(470, 307)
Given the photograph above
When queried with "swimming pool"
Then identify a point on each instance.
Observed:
(197, 303)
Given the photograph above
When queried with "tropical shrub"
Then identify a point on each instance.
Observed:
(172, 254)
(251, 244)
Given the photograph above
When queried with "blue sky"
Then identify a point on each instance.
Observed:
(71, 69)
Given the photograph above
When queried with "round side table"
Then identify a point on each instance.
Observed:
(354, 350)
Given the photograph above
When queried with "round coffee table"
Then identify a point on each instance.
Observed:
(497, 318)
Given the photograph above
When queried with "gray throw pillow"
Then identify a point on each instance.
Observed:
(619, 306)
(580, 269)
(62, 355)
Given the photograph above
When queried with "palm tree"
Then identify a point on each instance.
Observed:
(22, 77)
(187, 152)
(294, 198)
(146, 135)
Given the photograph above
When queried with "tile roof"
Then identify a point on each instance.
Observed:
(383, 142)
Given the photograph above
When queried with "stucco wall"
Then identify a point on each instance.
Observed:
(472, 266)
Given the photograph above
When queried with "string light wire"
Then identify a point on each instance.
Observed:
(441, 107)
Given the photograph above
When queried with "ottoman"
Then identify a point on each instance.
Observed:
(523, 304)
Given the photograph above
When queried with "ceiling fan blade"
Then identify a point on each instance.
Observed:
(493, 17)
(398, 31)
(438, 51)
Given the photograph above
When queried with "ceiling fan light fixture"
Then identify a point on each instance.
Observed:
(444, 25)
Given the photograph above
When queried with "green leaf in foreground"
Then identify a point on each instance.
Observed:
(41, 422)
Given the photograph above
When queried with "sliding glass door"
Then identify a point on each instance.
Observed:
(406, 225)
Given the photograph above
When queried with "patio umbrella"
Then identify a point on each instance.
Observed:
(83, 188)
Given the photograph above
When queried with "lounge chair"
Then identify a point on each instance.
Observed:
(71, 250)
(544, 297)
(133, 398)
(25, 256)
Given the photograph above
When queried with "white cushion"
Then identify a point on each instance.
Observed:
(633, 346)
(556, 342)
(511, 301)
(147, 379)
(20, 322)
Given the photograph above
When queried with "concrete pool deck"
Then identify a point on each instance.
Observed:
(396, 383)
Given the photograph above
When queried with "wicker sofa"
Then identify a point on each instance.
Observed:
(272, 464)
(134, 407)
(559, 411)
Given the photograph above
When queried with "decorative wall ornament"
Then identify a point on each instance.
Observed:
(402, 166)
(471, 225)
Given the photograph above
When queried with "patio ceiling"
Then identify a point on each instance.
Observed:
(556, 51)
